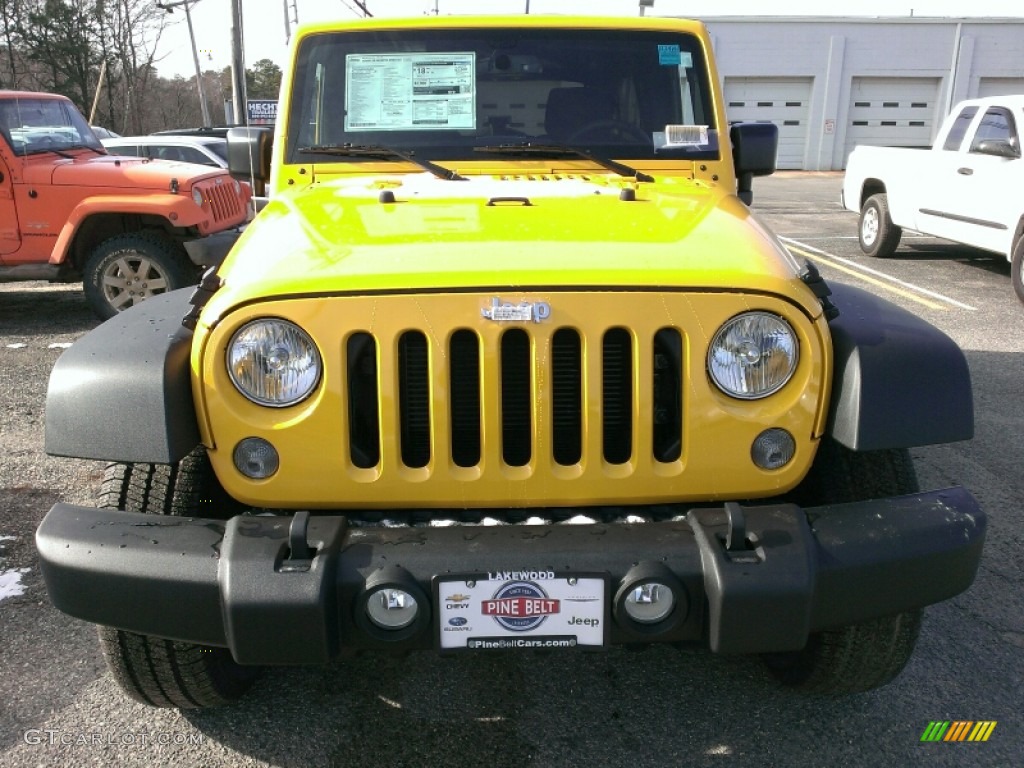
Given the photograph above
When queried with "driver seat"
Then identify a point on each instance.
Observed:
(570, 109)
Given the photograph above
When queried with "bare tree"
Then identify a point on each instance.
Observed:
(9, 65)
(58, 36)
(63, 46)
(129, 37)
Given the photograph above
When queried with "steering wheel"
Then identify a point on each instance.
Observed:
(611, 131)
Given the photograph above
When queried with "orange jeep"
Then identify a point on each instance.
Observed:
(129, 228)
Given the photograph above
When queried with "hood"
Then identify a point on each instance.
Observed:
(420, 233)
(88, 169)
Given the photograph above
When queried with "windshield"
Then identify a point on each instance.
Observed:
(451, 94)
(33, 125)
(219, 148)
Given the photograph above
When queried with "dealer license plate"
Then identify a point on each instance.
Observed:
(508, 610)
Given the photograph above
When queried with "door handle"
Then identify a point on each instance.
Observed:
(965, 171)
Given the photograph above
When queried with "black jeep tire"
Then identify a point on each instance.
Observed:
(1017, 268)
(154, 670)
(867, 655)
(127, 269)
(877, 234)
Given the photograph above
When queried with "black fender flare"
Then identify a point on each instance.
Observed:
(898, 381)
(123, 392)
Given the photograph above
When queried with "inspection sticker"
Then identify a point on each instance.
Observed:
(669, 55)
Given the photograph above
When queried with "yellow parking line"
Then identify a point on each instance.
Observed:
(861, 276)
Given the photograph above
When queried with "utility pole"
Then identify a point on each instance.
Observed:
(238, 97)
(169, 7)
(291, 16)
(96, 97)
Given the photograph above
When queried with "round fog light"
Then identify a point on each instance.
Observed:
(391, 608)
(256, 458)
(773, 449)
(649, 603)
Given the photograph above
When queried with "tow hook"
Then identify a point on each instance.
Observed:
(737, 547)
(300, 555)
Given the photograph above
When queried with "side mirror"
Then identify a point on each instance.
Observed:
(754, 148)
(999, 148)
(249, 151)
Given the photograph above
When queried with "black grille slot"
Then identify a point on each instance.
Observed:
(617, 395)
(464, 372)
(668, 395)
(567, 397)
(516, 397)
(363, 410)
(414, 399)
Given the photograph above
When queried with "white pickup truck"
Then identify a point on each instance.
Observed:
(968, 188)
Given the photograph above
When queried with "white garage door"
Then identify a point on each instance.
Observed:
(1000, 86)
(783, 101)
(891, 112)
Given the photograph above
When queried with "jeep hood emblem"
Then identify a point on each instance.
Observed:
(523, 312)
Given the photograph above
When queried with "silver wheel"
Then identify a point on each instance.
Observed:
(877, 234)
(869, 226)
(128, 269)
(131, 279)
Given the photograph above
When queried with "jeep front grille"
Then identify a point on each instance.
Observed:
(529, 427)
(434, 400)
(224, 204)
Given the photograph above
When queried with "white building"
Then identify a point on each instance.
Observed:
(832, 83)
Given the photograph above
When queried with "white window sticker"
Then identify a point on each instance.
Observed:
(410, 91)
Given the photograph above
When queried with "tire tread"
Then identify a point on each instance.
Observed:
(863, 656)
(153, 670)
(888, 233)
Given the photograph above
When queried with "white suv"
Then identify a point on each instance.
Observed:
(202, 150)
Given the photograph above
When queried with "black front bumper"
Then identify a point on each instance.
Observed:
(243, 585)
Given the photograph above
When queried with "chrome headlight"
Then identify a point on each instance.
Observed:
(197, 196)
(273, 362)
(753, 355)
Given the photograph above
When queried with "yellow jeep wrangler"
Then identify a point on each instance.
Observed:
(506, 362)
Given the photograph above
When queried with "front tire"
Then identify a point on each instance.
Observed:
(863, 656)
(128, 269)
(1017, 268)
(851, 659)
(878, 236)
(154, 670)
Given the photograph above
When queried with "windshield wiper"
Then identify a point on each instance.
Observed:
(374, 150)
(529, 148)
(53, 150)
(83, 146)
